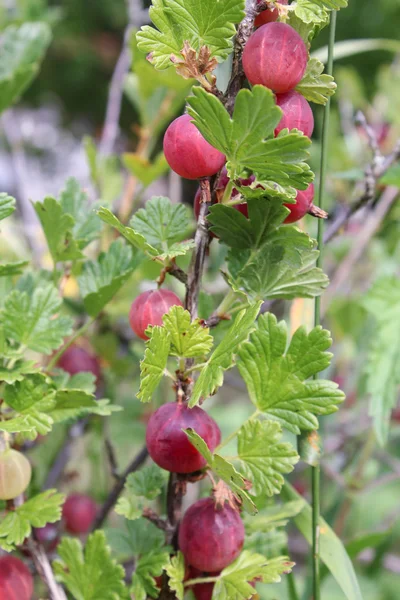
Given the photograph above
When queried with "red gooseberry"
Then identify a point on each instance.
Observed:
(275, 56)
(48, 536)
(269, 15)
(149, 308)
(16, 582)
(188, 153)
(79, 513)
(76, 359)
(297, 113)
(304, 202)
(15, 474)
(168, 444)
(211, 536)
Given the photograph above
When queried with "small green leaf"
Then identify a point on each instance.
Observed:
(143, 169)
(177, 249)
(176, 573)
(90, 574)
(315, 11)
(33, 319)
(19, 370)
(102, 279)
(248, 139)
(154, 363)
(223, 357)
(383, 361)
(133, 237)
(264, 458)
(201, 23)
(316, 86)
(332, 550)
(11, 269)
(7, 205)
(36, 512)
(74, 201)
(161, 222)
(234, 581)
(21, 52)
(148, 567)
(275, 381)
(57, 226)
(188, 339)
(140, 487)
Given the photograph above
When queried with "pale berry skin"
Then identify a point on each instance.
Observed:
(297, 113)
(268, 16)
(48, 536)
(79, 513)
(16, 581)
(275, 56)
(304, 200)
(168, 444)
(76, 359)
(149, 308)
(15, 474)
(211, 537)
(188, 153)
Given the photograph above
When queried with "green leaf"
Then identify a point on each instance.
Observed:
(273, 516)
(234, 581)
(275, 381)
(18, 371)
(71, 403)
(102, 279)
(268, 260)
(154, 363)
(7, 205)
(161, 222)
(74, 201)
(223, 357)
(21, 52)
(225, 471)
(36, 512)
(383, 361)
(33, 319)
(11, 269)
(332, 550)
(133, 237)
(201, 23)
(189, 339)
(244, 138)
(316, 86)
(143, 485)
(143, 169)
(148, 567)
(57, 227)
(92, 574)
(263, 457)
(177, 249)
(176, 572)
(315, 11)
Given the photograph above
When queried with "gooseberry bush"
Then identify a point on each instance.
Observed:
(247, 145)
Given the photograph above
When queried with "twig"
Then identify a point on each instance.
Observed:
(137, 16)
(245, 30)
(151, 515)
(63, 456)
(118, 488)
(112, 459)
(45, 571)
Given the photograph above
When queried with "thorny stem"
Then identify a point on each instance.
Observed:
(315, 470)
(44, 570)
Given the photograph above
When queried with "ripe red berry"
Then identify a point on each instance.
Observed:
(269, 15)
(48, 536)
(304, 200)
(15, 474)
(275, 56)
(149, 309)
(16, 582)
(211, 537)
(169, 446)
(297, 113)
(188, 153)
(79, 513)
(77, 360)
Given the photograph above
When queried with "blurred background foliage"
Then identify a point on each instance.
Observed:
(67, 103)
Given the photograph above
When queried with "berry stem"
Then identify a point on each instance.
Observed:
(315, 470)
(227, 192)
(200, 580)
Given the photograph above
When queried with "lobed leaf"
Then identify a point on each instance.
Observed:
(316, 86)
(189, 339)
(154, 363)
(7, 205)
